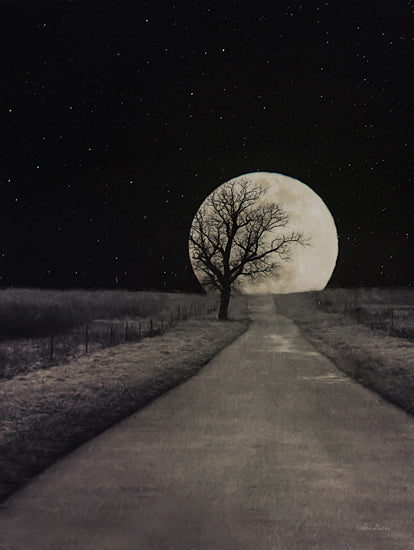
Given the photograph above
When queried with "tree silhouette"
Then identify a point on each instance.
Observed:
(230, 238)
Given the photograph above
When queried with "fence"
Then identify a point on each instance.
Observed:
(396, 320)
(30, 354)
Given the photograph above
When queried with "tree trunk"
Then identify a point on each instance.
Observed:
(224, 303)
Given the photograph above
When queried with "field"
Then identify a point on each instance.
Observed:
(388, 310)
(41, 328)
(45, 413)
(367, 333)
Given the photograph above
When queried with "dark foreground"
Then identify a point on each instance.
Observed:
(268, 447)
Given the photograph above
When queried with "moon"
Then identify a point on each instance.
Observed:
(309, 267)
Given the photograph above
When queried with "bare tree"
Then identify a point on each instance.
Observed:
(231, 238)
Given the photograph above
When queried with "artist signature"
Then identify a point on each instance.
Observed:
(376, 527)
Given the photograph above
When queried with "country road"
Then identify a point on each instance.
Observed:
(268, 447)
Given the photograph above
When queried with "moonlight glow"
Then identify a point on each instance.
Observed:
(309, 267)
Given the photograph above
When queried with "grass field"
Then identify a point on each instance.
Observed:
(41, 328)
(367, 333)
(387, 310)
(26, 312)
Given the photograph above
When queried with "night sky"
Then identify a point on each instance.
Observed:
(119, 117)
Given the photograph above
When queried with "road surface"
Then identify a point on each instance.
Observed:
(268, 447)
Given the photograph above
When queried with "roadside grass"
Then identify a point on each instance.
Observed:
(47, 413)
(380, 361)
(43, 328)
(389, 310)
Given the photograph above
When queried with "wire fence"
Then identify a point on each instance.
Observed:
(394, 319)
(23, 355)
(112, 333)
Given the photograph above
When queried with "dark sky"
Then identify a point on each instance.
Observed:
(119, 117)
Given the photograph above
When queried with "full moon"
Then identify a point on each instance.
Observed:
(309, 267)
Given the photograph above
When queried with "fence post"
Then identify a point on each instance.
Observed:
(86, 338)
(51, 348)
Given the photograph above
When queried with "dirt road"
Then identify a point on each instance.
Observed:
(268, 447)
